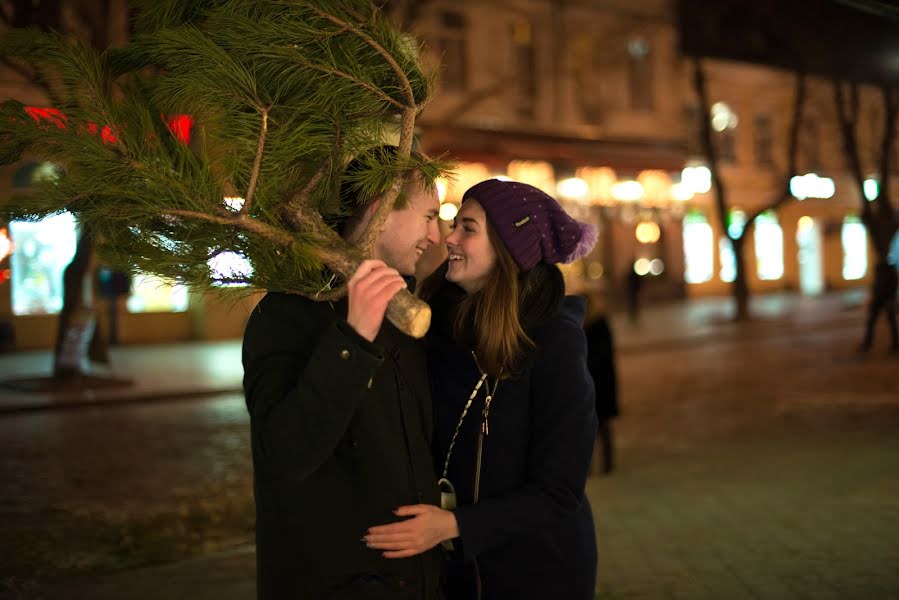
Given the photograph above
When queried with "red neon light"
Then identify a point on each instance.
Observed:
(179, 125)
(47, 114)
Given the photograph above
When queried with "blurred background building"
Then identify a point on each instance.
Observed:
(590, 101)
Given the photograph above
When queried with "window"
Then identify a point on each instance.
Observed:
(43, 250)
(769, 247)
(453, 51)
(698, 248)
(724, 124)
(812, 151)
(763, 140)
(526, 68)
(639, 74)
(152, 294)
(855, 248)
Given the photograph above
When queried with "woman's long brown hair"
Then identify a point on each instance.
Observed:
(490, 317)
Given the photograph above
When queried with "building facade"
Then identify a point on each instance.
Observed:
(546, 91)
(592, 101)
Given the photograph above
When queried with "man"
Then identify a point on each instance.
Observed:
(341, 423)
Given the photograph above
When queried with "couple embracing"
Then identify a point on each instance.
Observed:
(451, 467)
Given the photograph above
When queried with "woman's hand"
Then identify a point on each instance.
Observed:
(428, 527)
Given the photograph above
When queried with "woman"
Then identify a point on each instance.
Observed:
(514, 404)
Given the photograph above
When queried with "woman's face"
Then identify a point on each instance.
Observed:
(471, 256)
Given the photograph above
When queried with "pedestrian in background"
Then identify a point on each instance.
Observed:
(601, 364)
(883, 298)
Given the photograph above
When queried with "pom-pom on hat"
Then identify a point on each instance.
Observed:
(531, 224)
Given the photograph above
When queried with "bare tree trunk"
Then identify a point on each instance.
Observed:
(878, 215)
(740, 289)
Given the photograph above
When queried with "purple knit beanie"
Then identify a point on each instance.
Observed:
(531, 224)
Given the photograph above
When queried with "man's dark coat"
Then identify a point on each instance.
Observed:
(341, 436)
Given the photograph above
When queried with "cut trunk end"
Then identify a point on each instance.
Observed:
(409, 314)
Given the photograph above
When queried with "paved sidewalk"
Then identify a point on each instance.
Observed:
(158, 372)
(755, 460)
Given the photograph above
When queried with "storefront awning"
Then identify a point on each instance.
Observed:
(500, 147)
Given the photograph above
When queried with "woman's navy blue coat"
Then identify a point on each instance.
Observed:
(531, 531)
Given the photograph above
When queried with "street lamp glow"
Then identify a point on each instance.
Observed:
(811, 185)
(627, 191)
(448, 211)
(681, 192)
(641, 266)
(648, 232)
(871, 188)
(697, 178)
(442, 186)
(573, 188)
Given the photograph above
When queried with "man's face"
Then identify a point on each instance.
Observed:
(409, 232)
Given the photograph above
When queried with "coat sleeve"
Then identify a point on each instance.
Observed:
(303, 383)
(563, 429)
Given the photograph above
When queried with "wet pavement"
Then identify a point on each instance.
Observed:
(755, 460)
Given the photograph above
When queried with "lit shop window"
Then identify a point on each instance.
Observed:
(769, 247)
(855, 248)
(728, 270)
(43, 249)
(698, 248)
(230, 269)
(152, 294)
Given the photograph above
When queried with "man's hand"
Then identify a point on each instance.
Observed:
(369, 290)
(428, 527)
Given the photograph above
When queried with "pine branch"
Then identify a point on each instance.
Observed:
(792, 154)
(257, 164)
(847, 117)
(159, 205)
(371, 232)
(398, 71)
(366, 86)
(244, 222)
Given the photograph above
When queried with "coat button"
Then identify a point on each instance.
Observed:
(344, 354)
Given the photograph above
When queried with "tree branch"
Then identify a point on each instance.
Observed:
(475, 98)
(244, 222)
(705, 132)
(891, 108)
(373, 229)
(792, 153)
(850, 144)
(379, 93)
(257, 165)
(301, 198)
(400, 75)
